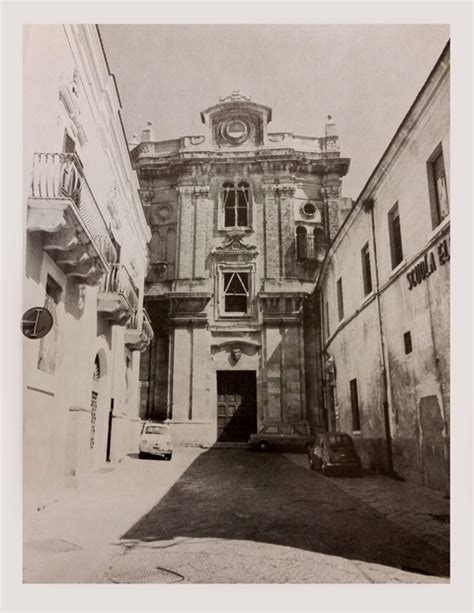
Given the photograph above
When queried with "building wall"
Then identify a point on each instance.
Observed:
(68, 89)
(370, 338)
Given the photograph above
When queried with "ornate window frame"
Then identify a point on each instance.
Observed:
(224, 192)
(236, 267)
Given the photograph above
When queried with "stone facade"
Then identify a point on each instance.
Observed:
(383, 301)
(241, 218)
(85, 260)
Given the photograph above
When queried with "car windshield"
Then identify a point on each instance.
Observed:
(340, 440)
(156, 430)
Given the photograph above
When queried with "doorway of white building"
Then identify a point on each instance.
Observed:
(236, 405)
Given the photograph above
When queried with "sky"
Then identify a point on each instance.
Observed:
(365, 76)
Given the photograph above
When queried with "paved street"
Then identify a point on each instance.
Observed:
(237, 516)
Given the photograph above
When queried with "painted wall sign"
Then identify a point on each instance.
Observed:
(36, 322)
(427, 266)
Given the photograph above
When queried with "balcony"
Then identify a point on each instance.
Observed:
(118, 295)
(62, 206)
(139, 332)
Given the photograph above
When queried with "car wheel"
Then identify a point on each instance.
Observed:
(263, 445)
(312, 465)
(324, 469)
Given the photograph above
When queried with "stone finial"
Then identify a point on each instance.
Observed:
(330, 126)
(148, 134)
(235, 96)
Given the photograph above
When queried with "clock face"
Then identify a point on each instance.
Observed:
(235, 131)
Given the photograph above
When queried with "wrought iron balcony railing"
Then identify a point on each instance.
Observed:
(59, 176)
(118, 294)
(139, 331)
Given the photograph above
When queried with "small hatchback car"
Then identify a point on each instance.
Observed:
(155, 439)
(334, 451)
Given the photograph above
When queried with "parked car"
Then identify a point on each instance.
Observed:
(155, 439)
(282, 437)
(334, 452)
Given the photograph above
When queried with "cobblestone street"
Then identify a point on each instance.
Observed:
(237, 516)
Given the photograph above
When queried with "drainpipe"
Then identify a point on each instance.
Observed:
(368, 206)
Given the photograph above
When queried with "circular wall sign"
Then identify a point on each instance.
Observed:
(36, 322)
(235, 131)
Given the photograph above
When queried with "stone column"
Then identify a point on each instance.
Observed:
(272, 360)
(201, 205)
(331, 193)
(185, 231)
(202, 407)
(181, 365)
(287, 230)
(291, 372)
(272, 232)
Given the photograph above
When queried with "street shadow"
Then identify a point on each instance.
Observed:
(239, 494)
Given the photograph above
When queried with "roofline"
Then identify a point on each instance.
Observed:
(407, 114)
(379, 163)
(237, 102)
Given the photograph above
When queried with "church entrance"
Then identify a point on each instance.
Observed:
(236, 405)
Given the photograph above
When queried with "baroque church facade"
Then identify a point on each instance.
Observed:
(241, 219)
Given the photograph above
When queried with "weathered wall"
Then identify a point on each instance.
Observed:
(70, 91)
(418, 378)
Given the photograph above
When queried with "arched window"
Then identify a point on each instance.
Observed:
(301, 243)
(236, 204)
(319, 237)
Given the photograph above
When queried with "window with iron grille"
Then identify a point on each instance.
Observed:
(396, 248)
(340, 300)
(236, 202)
(366, 271)
(438, 187)
(355, 405)
(328, 329)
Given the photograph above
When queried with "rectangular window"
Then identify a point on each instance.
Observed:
(236, 202)
(340, 300)
(355, 406)
(328, 329)
(236, 292)
(394, 229)
(438, 187)
(48, 357)
(407, 342)
(69, 146)
(366, 272)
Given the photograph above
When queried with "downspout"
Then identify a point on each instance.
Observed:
(368, 206)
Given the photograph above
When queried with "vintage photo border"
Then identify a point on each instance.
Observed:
(454, 596)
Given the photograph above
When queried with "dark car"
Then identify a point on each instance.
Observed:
(291, 437)
(334, 452)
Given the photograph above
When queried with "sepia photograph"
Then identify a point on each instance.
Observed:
(236, 337)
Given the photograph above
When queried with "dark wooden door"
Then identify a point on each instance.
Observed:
(236, 405)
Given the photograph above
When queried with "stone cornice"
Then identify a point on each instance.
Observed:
(294, 162)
